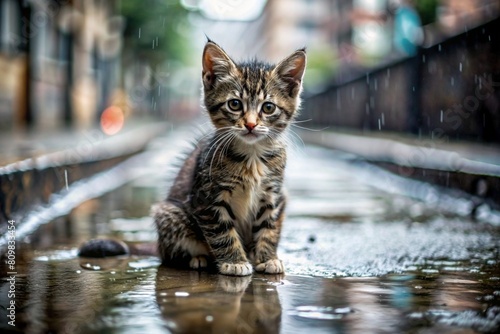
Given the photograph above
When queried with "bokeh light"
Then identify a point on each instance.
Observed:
(112, 120)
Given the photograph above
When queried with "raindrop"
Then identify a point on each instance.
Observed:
(441, 116)
(460, 67)
(139, 32)
(452, 81)
(423, 58)
(439, 47)
(489, 38)
(66, 178)
(159, 90)
(153, 44)
(163, 24)
(379, 125)
(376, 84)
(157, 41)
(383, 119)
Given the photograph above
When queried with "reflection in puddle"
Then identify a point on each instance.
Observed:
(58, 255)
(321, 313)
(63, 294)
(196, 302)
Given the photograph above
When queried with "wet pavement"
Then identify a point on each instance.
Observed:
(365, 252)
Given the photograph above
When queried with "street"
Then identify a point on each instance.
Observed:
(360, 257)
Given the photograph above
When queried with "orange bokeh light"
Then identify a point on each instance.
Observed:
(112, 120)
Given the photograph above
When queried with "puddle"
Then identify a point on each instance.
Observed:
(131, 295)
(359, 260)
(320, 313)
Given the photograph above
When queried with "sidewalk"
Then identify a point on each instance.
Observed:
(35, 166)
(465, 166)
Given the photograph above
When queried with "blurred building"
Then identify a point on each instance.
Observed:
(454, 16)
(348, 33)
(60, 61)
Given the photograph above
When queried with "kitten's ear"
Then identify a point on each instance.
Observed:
(216, 63)
(291, 70)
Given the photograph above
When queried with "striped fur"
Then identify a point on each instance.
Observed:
(227, 203)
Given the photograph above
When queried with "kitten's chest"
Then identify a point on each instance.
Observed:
(246, 197)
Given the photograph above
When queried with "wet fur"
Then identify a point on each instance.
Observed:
(226, 206)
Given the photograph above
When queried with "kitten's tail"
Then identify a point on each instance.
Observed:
(99, 248)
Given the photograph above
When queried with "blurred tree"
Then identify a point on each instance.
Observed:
(427, 10)
(155, 30)
(322, 63)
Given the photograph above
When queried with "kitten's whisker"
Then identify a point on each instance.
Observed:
(226, 147)
(294, 143)
(223, 146)
(219, 143)
(216, 139)
(308, 129)
(301, 121)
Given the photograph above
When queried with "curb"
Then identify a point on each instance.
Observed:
(454, 169)
(30, 182)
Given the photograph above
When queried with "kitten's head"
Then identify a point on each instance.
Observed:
(253, 100)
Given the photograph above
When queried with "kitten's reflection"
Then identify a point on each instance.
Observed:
(198, 302)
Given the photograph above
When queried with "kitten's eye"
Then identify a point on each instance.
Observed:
(268, 108)
(235, 105)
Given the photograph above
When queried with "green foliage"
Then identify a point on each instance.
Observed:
(156, 30)
(322, 62)
(427, 10)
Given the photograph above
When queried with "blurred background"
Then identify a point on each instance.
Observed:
(80, 64)
(100, 98)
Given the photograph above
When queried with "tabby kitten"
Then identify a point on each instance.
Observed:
(227, 204)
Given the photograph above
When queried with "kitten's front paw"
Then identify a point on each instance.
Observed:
(235, 269)
(274, 266)
(198, 262)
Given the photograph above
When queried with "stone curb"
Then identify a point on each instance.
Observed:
(437, 165)
(32, 181)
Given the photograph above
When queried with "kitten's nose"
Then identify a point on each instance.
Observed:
(250, 126)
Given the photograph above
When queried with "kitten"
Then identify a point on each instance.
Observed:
(226, 205)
